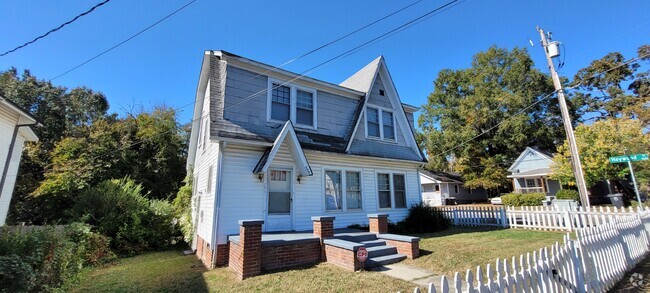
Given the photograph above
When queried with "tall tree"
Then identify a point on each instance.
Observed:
(482, 116)
(622, 91)
(599, 141)
(63, 113)
(150, 148)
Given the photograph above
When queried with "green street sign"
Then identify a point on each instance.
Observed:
(625, 159)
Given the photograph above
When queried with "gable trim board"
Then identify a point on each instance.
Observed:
(298, 155)
(397, 108)
(523, 156)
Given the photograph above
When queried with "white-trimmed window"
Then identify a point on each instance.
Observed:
(343, 190)
(209, 184)
(290, 102)
(391, 190)
(437, 187)
(203, 134)
(380, 123)
(353, 198)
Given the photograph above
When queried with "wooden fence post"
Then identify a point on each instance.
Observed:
(577, 268)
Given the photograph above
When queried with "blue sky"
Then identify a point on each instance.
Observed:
(162, 65)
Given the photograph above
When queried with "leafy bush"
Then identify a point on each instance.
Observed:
(568, 194)
(421, 219)
(43, 259)
(118, 210)
(183, 209)
(527, 199)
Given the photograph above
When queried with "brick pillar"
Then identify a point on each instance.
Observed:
(248, 253)
(323, 228)
(378, 223)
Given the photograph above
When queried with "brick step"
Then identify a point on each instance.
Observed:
(372, 243)
(377, 251)
(384, 260)
(356, 237)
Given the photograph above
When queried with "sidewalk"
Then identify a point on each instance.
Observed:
(418, 276)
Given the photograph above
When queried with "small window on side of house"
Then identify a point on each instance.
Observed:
(437, 187)
(280, 102)
(305, 108)
(372, 117)
(209, 184)
(456, 188)
(382, 93)
(387, 123)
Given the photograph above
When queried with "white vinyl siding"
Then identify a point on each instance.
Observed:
(244, 196)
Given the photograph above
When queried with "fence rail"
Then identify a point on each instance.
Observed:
(594, 262)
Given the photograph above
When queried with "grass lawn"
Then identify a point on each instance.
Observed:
(169, 271)
(459, 249)
(456, 249)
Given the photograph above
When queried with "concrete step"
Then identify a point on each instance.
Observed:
(356, 237)
(377, 251)
(372, 243)
(384, 260)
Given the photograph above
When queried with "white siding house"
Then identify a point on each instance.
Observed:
(274, 145)
(530, 172)
(442, 188)
(15, 130)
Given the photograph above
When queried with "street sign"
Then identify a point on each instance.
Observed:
(628, 158)
(362, 254)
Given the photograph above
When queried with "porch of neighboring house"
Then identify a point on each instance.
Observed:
(252, 252)
(534, 181)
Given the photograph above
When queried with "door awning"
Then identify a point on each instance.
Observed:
(287, 134)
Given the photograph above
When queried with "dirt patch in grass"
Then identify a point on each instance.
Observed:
(459, 249)
(171, 272)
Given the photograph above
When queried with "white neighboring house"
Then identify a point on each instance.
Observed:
(530, 172)
(441, 188)
(274, 145)
(15, 130)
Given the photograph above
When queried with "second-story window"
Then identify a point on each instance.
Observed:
(280, 102)
(290, 102)
(380, 124)
(305, 108)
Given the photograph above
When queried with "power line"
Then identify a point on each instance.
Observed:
(54, 29)
(126, 40)
(336, 40)
(401, 27)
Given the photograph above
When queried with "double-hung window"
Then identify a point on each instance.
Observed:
(343, 190)
(380, 123)
(391, 189)
(290, 102)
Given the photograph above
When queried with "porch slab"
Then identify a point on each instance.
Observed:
(294, 237)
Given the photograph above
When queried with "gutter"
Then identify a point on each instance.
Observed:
(10, 152)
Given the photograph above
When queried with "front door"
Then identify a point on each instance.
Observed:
(279, 201)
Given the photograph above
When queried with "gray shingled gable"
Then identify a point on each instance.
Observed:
(221, 128)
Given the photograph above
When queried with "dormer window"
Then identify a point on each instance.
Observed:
(290, 102)
(380, 123)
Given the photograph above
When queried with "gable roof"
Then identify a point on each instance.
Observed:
(212, 82)
(443, 177)
(296, 152)
(544, 154)
(26, 119)
(364, 79)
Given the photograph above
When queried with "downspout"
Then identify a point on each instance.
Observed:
(420, 183)
(11, 150)
(217, 205)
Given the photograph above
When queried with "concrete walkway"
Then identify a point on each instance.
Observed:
(416, 275)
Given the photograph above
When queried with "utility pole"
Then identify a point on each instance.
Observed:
(568, 127)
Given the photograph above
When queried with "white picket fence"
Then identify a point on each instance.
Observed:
(475, 215)
(550, 218)
(594, 262)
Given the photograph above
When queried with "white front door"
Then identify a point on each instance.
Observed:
(279, 206)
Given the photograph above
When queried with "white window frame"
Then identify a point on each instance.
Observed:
(344, 189)
(293, 105)
(392, 189)
(208, 185)
(380, 111)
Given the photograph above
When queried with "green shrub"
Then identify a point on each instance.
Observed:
(568, 194)
(421, 219)
(527, 199)
(118, 210)
(43, 259)
(183, 209)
